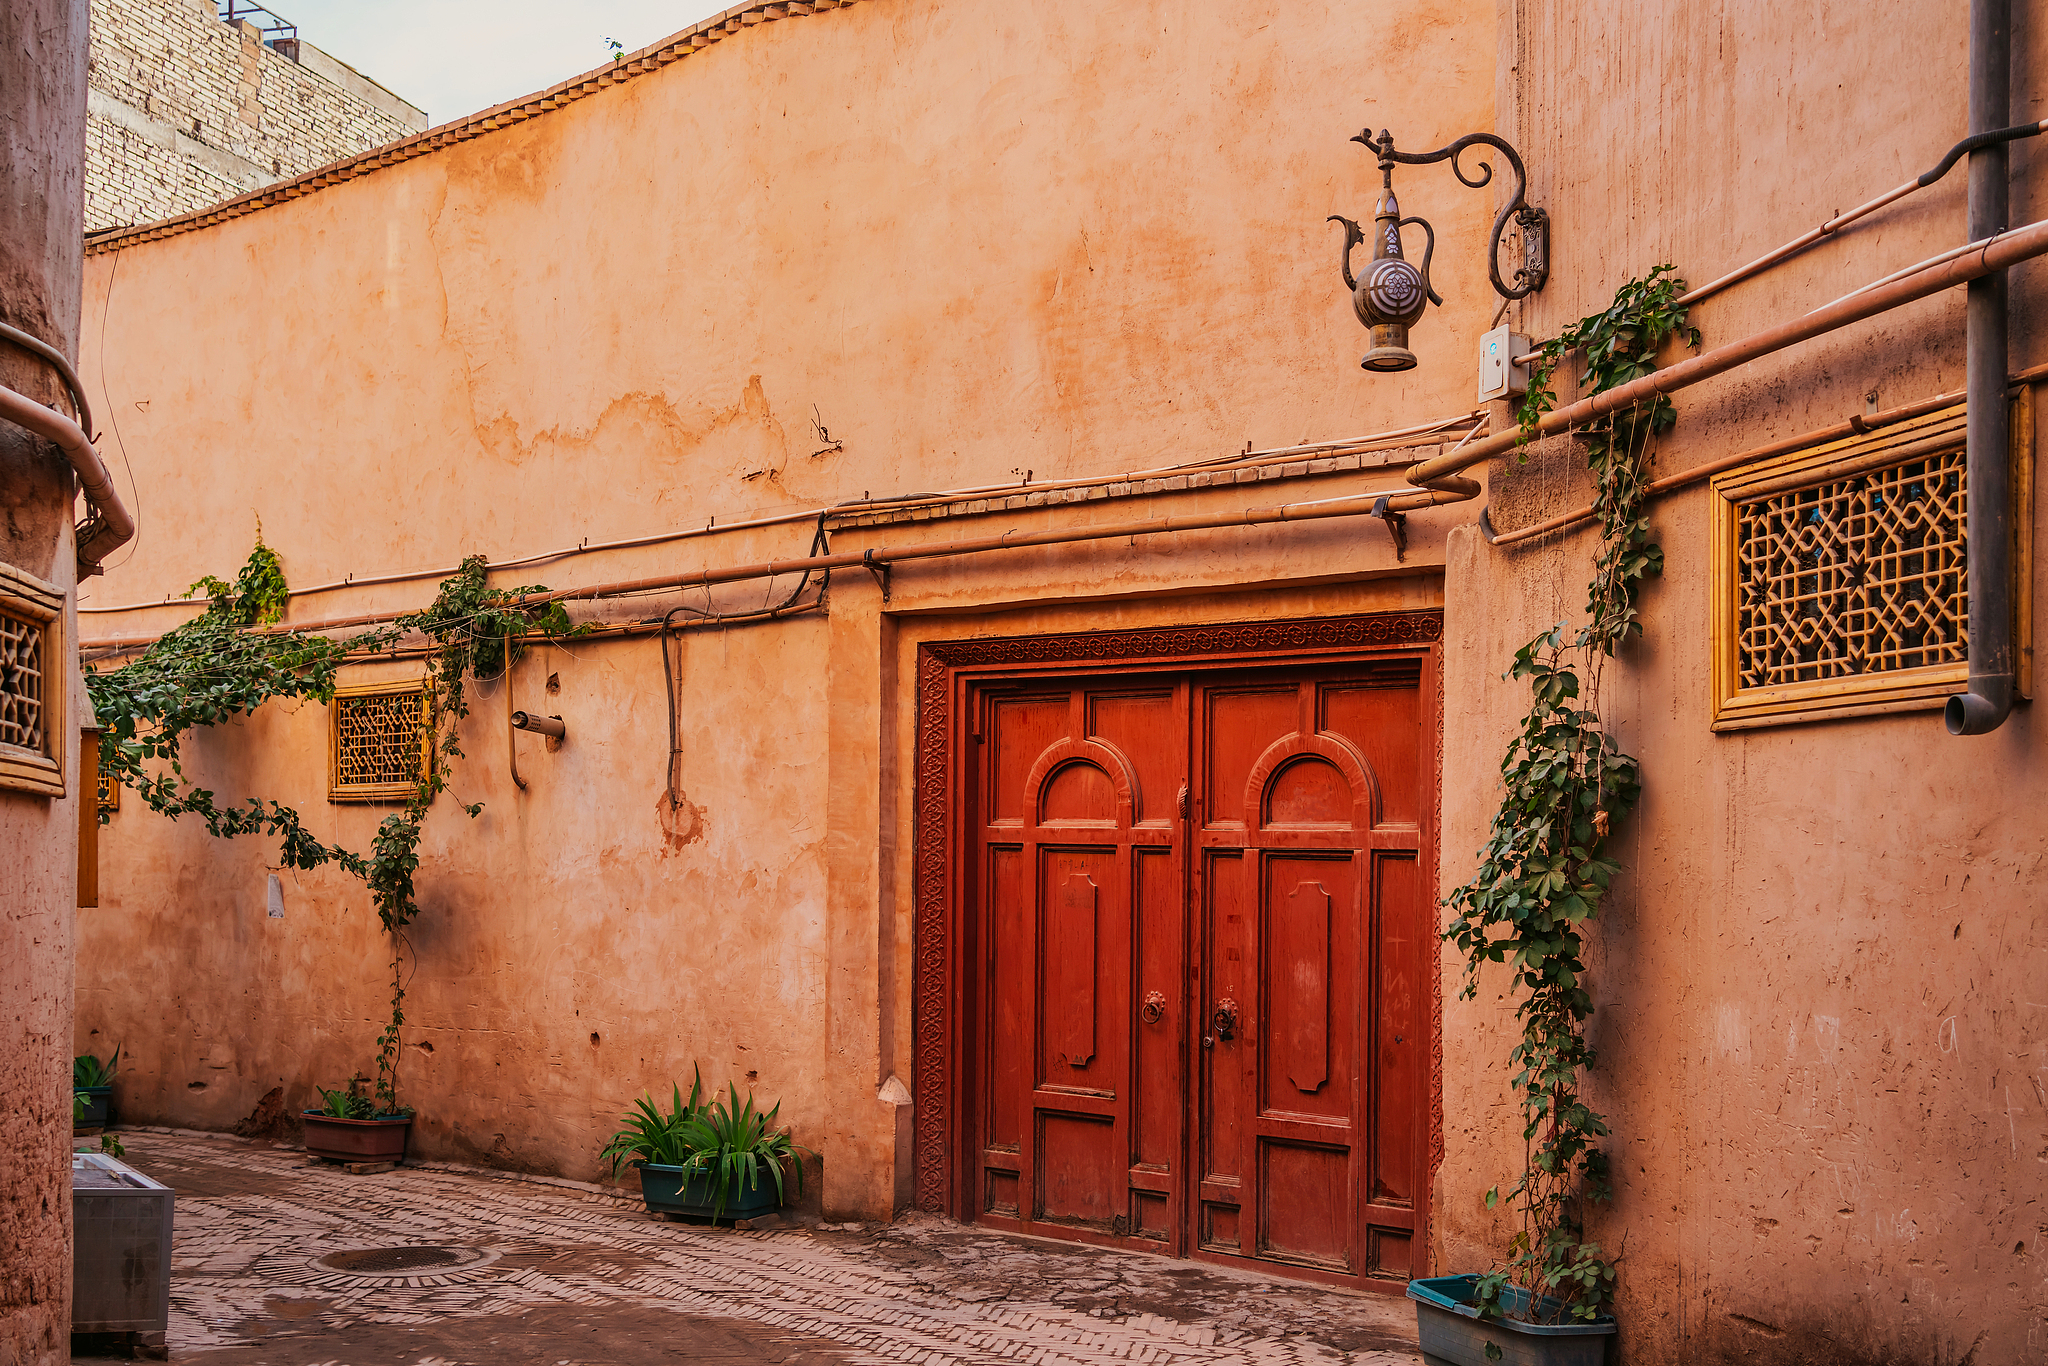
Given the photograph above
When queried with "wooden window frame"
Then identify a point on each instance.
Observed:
(1921, 689)
(339, 792)
(41, 773)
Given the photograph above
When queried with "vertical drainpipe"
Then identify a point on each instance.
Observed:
(1989, 701)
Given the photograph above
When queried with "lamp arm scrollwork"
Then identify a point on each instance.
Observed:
(1517, 203)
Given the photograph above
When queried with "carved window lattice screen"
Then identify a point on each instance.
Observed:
(22, 694)
(1862, 575)
(381, 740)
(34, 668)
(1841, 574)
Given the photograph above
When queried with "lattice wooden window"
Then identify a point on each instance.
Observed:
(1842, 574)
(380, 742)
(109, 791)
(33, 667)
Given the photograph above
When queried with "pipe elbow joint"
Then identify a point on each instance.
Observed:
(1981, 710)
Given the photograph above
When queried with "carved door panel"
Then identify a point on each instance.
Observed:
(1313, 927)
(1081, 879)
(1203, 956)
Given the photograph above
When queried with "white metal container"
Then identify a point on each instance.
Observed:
(121, 1269)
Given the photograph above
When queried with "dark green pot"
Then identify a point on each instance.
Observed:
(666, 1192)
(99, 1106)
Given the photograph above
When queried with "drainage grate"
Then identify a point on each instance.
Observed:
(397, 1258)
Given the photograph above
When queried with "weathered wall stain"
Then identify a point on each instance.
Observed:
(682, 821)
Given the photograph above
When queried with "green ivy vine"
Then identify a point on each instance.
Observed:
(1544, 869)
(231, 659)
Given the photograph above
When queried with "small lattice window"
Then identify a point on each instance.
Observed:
(33, 661)
(109, 789)
(1842, 575)
(382, 740)
(21, 682)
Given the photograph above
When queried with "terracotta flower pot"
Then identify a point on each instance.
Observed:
(1453, 1334)
(357, 1140)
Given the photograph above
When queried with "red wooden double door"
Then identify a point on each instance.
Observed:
(1202, 951)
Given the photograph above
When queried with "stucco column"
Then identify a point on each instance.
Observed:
(861, 1147)
(42, 145)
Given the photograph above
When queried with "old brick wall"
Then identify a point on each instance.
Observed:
(186, 111)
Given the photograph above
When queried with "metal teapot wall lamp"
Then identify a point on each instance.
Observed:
(1392, 294)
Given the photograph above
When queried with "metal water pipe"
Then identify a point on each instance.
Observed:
(1988, 460)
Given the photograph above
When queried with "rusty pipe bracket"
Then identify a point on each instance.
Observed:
(879, 568)
(1396, 524)
(1533, 222)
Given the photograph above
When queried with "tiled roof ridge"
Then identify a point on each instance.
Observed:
(627, 67)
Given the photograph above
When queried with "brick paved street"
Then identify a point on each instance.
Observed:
(570, 1276)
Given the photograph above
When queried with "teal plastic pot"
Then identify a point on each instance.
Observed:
(99, 1106)
(1453, 1334)
(666, 1192)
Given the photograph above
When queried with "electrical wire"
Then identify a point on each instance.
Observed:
(134, 489)
(820, 545)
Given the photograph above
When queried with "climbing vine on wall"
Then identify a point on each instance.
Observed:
(231, 659)
(1544, 869)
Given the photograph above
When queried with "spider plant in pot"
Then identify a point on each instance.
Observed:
(654, 1142)
(738, 1154)
(350, 1126)
(94, 1080)
(718, 1160)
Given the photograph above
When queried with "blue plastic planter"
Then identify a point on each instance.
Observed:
(1453, 1334)
(665, 1191)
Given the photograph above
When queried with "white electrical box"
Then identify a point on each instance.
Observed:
(1499, 376)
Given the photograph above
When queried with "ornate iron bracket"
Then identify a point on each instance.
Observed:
(1534, 222)
(1396, 524)
(879, 568)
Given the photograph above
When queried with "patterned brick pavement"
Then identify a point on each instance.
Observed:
(573, 1276)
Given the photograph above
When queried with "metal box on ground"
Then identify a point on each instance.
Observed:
(121, 1265)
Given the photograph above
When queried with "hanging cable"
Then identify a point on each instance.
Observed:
(820, 545)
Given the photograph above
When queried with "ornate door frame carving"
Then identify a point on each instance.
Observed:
(944, 669)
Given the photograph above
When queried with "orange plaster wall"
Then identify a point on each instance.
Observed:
(1820, 1017)
(976, 240)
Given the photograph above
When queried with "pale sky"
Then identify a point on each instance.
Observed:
(454, 57)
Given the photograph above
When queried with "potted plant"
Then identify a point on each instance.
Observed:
(654, 1139)
(716, 1161)
(94, 1080)
(349, 1126)
(1543, 873)
(80, 1129)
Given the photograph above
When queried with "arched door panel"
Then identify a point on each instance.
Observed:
(1311, 1010)
(1205, 940)
(1084, 914)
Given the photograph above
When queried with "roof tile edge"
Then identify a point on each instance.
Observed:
(629, 66)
